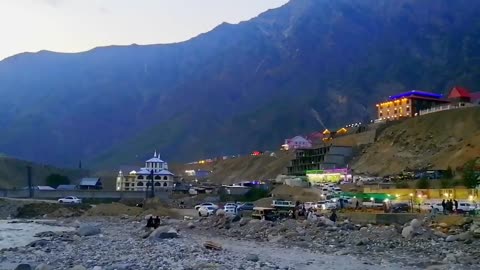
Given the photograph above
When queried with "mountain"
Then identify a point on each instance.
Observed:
(238, 87)
(13, 173)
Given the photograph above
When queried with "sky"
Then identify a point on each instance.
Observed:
(79, 25)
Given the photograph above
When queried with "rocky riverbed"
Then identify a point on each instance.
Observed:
(122, 243)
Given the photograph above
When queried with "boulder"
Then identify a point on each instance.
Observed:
(252, 258)
(220, 212)
(243, 222)
(88, 230)
(78, 267)
(236, 218)
(415, 223)
(164, 232)
(408, 232)
(465, 236)
(443, 225)
(38, 243)
(23, 266)
(190, 225)
(476, 233)
(43, 266)
(212, 245)
(326, 221)
(332, 229)
(451, 238)
(440, 234)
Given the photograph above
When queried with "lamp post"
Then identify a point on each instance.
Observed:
(152, 194)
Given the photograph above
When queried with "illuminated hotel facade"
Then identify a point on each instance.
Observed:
(408, 104)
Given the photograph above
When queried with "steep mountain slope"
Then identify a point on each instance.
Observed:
(13, 173)
(437, 140)
(238, 87)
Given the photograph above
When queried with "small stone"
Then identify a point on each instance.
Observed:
(23, 266)
(440, 234)
(243, 222)
(97, 268)
(443, 225)
(190, 225)
(252, 258)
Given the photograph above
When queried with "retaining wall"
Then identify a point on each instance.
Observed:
(83, 194)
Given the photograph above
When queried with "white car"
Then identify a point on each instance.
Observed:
(205, 211)
(329, 205)
(230, 210)
(465, 206)
(197, 207)
(309, 205)
(70, 199)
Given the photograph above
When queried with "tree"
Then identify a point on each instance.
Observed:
(469, 175)
(446, 183)
(423, 183)
(54, 180)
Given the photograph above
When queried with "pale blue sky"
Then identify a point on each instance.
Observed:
(79, 25)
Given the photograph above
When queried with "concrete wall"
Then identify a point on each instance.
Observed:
(357, 139)
(83, 194)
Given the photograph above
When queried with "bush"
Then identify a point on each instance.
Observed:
(423, 183)
(447, 183)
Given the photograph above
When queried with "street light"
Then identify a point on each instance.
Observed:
(411, 201)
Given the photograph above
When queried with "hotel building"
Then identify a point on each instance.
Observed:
(408, 104)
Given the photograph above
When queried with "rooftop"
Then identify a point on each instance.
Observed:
(416, 93)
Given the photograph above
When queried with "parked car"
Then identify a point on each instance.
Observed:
(329, 205)
(400, 208)
(427, 206)
(70, 199)
(465, 206)
(205, 211)
(246, 207)
(230, 209)
(206, 204)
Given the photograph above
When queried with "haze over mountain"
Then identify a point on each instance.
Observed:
(237, 88)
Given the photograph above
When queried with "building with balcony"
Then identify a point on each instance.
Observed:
(321, 158)
(408, 104)
(142, 179)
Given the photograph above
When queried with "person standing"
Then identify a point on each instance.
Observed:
(444, 206)
(456, 205)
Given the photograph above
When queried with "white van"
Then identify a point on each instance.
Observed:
(427, 206)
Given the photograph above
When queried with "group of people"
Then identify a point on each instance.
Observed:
(448, 206)
(153, 222)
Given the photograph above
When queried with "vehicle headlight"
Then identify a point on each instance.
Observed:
(324, 207)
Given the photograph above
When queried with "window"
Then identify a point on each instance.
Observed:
(381, 114)
(158, 177)
(140, 184)
(164, 184)
(408, 109)
(140, 177)
(408, 101)
(127, 184)
(395, 111)
(157, 184)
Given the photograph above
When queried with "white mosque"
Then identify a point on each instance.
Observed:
(140, 180)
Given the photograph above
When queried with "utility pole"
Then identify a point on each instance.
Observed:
(29, 180)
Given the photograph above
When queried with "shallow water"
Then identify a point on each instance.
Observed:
(21, 234)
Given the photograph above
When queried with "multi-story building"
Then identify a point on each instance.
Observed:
(408, 104)
(141, 180)
(326, 157)
(296, 143)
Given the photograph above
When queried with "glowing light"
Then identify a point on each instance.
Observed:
(445, 194)
(411, 194)
(386, 200)
(371, 199)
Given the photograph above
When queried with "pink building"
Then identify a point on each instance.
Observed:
(297, 142)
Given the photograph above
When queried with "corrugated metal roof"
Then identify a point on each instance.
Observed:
(89, 181)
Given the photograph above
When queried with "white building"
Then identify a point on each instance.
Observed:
(140, 180)
(297, 142)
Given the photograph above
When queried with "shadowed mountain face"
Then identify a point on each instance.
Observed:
(238, 87)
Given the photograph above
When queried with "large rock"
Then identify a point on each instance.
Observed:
(243, 221)
(43, 266)
(164, 232)
(252, 258)
(78, 267)
(408, 232)
(440, 234)
(451, 238)
(326, 221)
(415, 223)
(23, 266)
(190, 225)
(88, 230)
